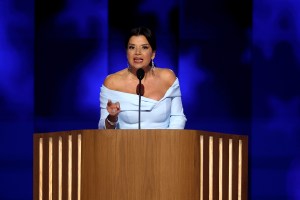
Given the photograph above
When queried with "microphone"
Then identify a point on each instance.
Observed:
(140, 73)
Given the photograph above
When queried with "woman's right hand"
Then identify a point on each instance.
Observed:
(113, 108)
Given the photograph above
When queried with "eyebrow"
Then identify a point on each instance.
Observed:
(141, 45)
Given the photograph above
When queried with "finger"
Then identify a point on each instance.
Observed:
(109, 102)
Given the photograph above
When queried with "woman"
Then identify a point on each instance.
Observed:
(161, 105)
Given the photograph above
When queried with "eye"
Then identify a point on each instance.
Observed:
(145, 47)
(130, 47)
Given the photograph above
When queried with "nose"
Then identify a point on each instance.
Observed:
(138, 51)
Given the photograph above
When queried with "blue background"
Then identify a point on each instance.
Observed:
(238, 62)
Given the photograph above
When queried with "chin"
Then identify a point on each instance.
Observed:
(138, 66)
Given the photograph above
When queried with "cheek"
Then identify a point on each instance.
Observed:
(149, 54)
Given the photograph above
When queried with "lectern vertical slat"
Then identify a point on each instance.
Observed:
(240, 165)
(60, 163)
(230, 160)
(220, 169)
(70, 167)
(50, 168)
(211, 167)
(55, 168)
(79, 139)
(201, 166)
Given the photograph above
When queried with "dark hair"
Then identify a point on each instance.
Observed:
(150, 36)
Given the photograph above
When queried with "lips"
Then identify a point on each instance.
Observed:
(138, 60)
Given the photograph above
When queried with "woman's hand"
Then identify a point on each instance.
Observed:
(113, 108)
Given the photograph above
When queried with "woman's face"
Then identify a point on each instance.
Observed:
(139, 52)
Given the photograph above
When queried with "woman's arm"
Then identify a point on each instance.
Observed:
(177, 117)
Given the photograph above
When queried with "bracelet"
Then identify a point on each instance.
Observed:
(111, 123)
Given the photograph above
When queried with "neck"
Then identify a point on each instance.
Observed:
(147, 70)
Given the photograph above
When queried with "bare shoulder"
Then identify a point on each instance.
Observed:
(113, 81)
(167, 75)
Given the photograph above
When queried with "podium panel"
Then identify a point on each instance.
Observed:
(140, 164)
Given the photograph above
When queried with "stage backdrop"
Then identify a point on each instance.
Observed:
(237, 63)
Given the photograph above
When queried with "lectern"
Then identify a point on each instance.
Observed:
(140, 165)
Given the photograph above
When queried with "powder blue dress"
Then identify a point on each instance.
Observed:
(166, 113)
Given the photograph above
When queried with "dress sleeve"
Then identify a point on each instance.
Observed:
(177, 117)
(105, 94)
(103, 111)
(101, 123)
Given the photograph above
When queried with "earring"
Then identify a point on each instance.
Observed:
(128, 66)
(152, 63)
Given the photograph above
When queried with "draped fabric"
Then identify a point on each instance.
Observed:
(162, 114)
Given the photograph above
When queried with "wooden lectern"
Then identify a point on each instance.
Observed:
(140, 165)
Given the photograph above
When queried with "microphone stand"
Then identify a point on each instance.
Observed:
(140, 73)
(140, 91)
